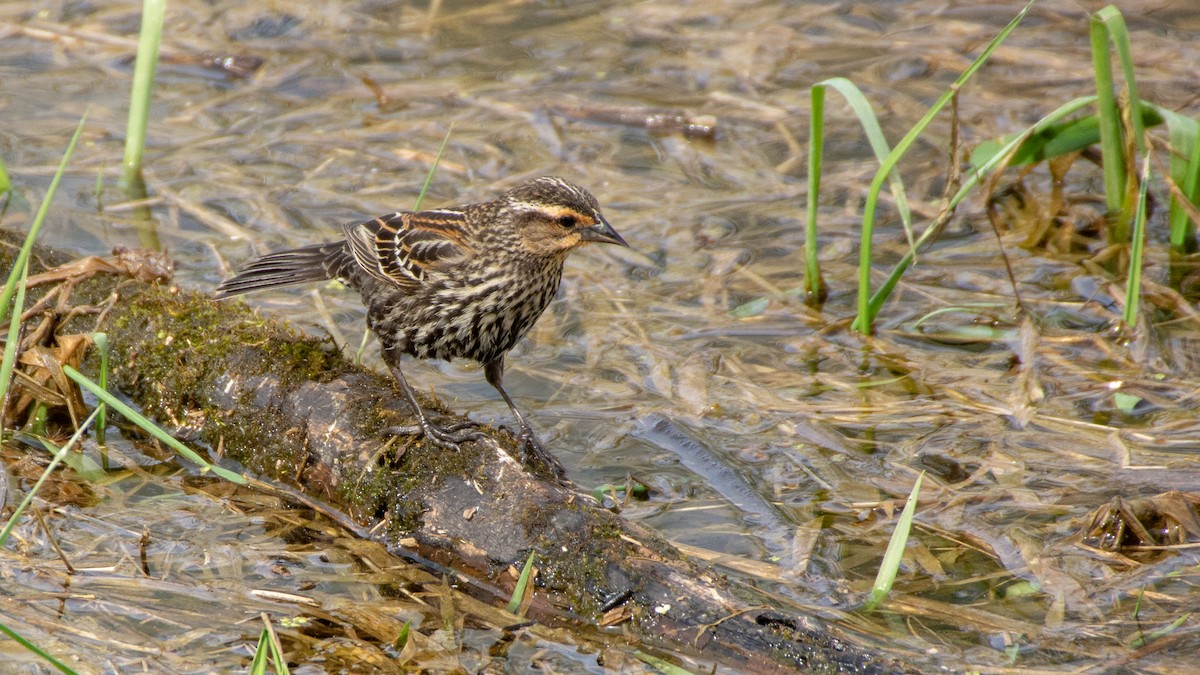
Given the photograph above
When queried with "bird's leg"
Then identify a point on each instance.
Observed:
(448, 437)
(531, 450)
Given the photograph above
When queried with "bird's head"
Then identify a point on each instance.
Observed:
(554, 216)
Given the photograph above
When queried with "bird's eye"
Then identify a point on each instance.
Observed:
(567, 220)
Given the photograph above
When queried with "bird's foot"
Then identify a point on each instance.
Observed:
(448, 437)
(532, 454)
(536, 457)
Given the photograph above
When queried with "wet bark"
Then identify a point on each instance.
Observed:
(290, 408)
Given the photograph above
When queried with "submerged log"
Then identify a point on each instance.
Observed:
(289, 408)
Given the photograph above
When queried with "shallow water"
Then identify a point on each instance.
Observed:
(798, 437)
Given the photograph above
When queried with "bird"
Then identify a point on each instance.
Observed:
(457, 282)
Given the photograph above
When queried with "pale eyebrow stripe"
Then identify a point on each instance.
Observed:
(550, 209)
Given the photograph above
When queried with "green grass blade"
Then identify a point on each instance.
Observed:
(1110, 120)
(1013, 146)
(865, 320)
(973, 178)
(895, 550)
(1183, 228)
(22, 258)
(433, 169)
(518, 593)
(101, 342)
(12, 298)
(870, 124)
(1053, 141)
(5, 181)
(9, 360)
(62, 667)
(80, 463)
(142, 90)
(259, 665)
(362, 346)
(1058, 139)
(152, 428)
(1133, 284)
(813, 284)
(1118, 33)
(1108, 26)
(1184, 136)
(268, 648)
(281, 667)
(62, 452)
(402, 637)
(142, 215)
(1137, 605)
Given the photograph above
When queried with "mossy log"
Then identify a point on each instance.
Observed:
(289, 408)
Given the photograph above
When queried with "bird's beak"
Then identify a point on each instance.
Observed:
(602, 233)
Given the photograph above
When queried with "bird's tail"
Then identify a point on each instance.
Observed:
(285, 268)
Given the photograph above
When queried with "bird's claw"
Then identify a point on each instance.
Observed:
(449, 437)
(532, 454)
(536, 457)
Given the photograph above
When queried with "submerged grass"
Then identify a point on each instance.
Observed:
(661, 665)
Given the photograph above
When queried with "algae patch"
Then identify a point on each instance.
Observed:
(171, 350)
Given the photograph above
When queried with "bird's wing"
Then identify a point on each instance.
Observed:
(405, 247)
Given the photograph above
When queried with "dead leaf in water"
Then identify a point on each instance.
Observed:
(40, 377)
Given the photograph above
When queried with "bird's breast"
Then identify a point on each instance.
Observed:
(477, 316)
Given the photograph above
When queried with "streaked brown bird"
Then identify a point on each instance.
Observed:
(459, 282)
